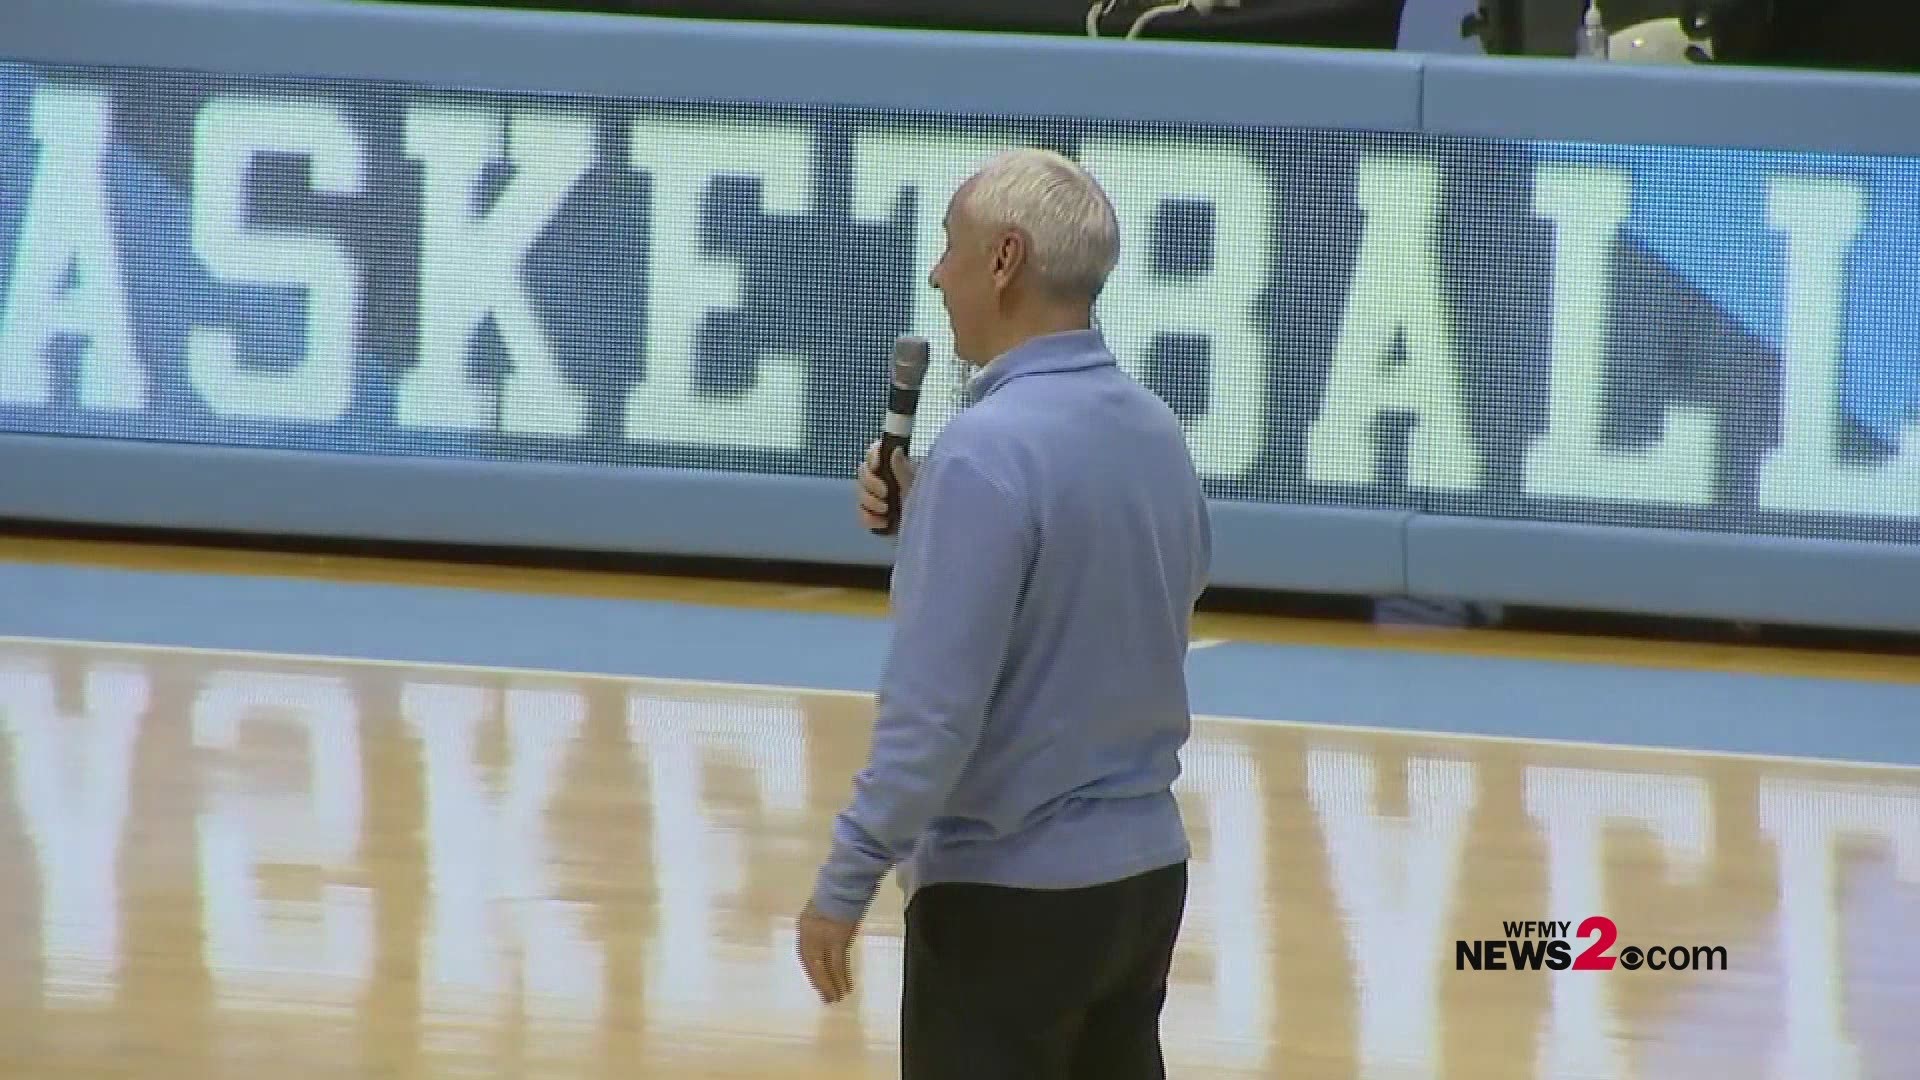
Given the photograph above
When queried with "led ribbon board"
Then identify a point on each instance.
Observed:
(1615, 334)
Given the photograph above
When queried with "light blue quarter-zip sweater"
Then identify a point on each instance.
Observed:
(1034, 698)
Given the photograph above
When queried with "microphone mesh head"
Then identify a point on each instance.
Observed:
(910, 354)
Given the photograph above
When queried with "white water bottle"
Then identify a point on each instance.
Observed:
(1593, 42)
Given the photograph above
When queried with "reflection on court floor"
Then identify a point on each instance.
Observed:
(214, 864)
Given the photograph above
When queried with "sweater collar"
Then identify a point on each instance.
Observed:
(1070, 350)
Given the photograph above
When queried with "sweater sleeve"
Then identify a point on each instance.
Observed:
(966, 544)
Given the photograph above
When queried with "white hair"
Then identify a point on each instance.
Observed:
(1068, 220)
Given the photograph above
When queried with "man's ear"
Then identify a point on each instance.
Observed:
(1009, 256)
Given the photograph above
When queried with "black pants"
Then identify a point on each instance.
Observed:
(1020, 984)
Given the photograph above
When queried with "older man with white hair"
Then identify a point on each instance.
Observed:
(1034, 699)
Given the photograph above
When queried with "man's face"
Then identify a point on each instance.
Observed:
(970, 275)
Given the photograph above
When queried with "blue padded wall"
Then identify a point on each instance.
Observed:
(1528, 331)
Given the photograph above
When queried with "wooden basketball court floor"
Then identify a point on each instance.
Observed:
(225, 864)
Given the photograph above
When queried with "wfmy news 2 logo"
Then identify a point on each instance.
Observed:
(1532, 945)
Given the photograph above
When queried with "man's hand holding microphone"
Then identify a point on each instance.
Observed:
(887, 472)
(874, 499)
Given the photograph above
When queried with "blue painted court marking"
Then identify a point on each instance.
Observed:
(442, 626)
(1787, 716)
(1777, 715)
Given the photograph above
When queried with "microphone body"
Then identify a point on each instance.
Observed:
(910, 355)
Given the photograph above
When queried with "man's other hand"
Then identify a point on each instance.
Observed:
(826, 948)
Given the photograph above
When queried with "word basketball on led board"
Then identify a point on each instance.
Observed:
(1631, 335)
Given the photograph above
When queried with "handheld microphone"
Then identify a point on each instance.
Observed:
(903, 397)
